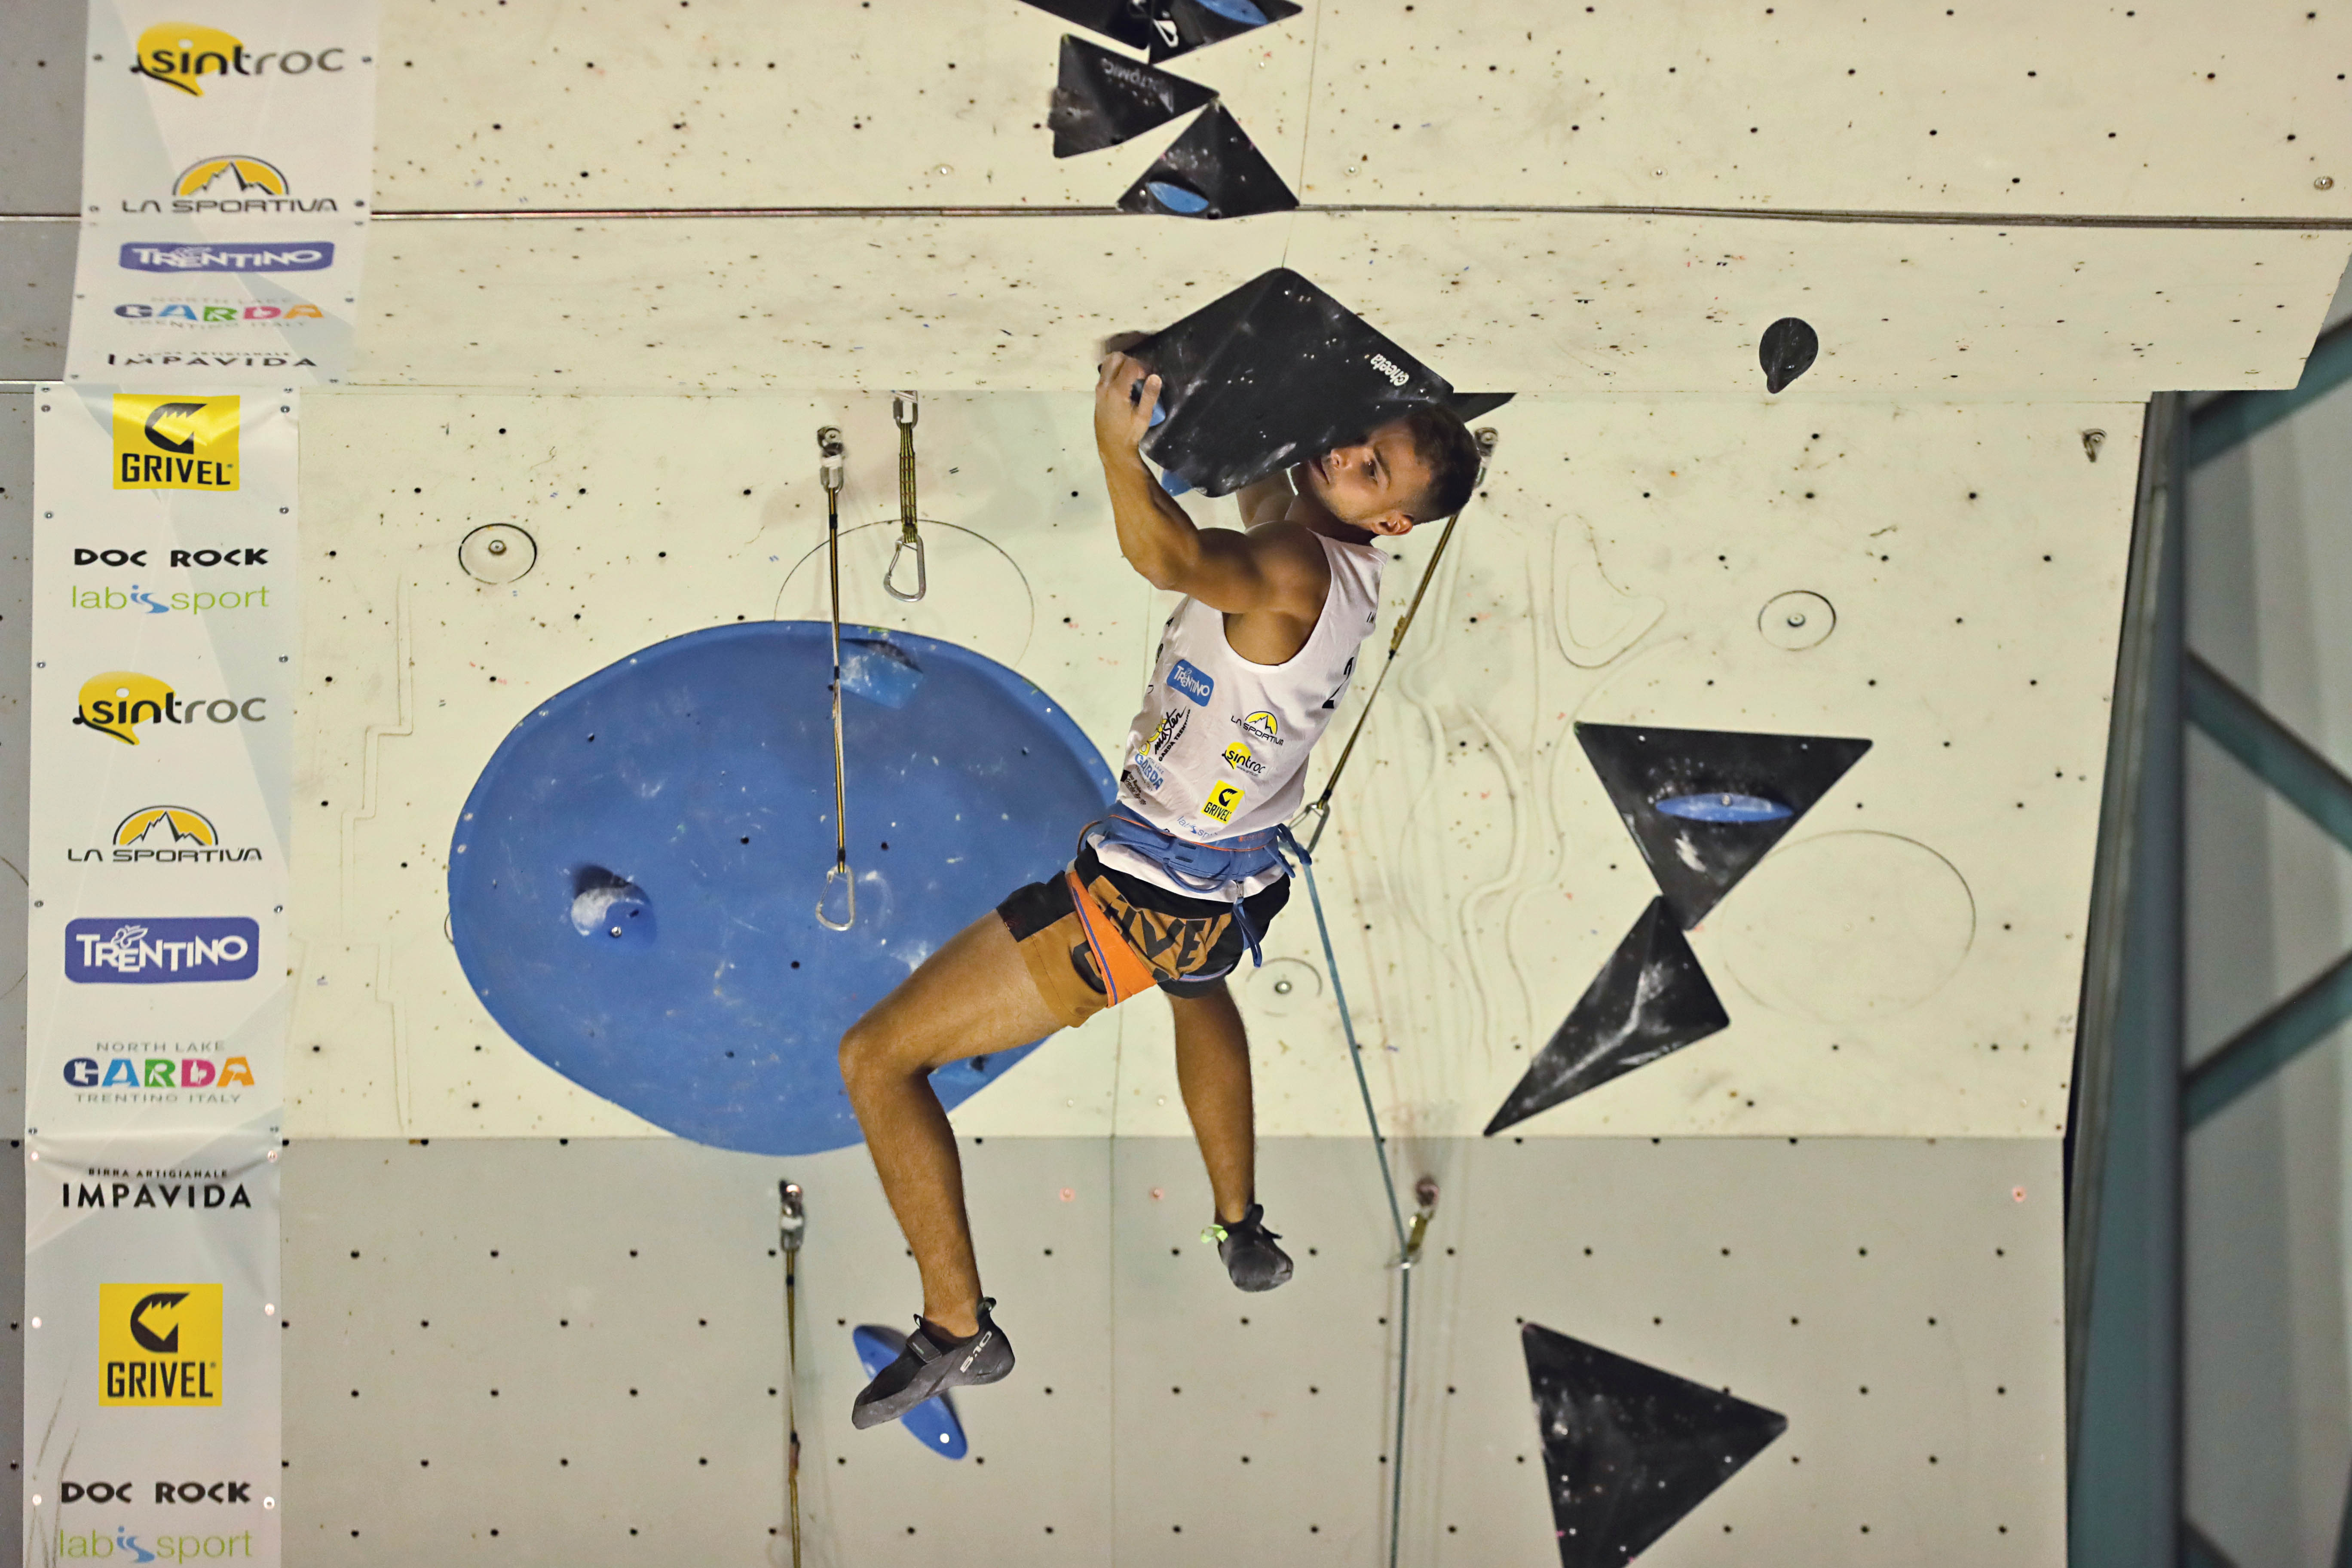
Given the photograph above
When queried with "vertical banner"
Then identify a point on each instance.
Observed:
(164, 629)
(152, 1349)
(227, 162)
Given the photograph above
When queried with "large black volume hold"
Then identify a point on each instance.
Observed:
(1271, 375)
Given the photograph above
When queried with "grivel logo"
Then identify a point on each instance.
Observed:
(175, 442)
(160, 1344)
(181, 54)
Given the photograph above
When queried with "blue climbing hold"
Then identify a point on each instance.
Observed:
(933, 1422)
(695, 778)
(1723, 808)
(879, 671)
(1240, 11)
(1176, 198)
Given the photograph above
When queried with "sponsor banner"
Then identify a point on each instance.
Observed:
(152, 1348)
(227, 162)
(164, 629)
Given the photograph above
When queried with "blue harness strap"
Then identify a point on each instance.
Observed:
(1213, 871)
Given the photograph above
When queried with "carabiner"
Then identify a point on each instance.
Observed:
(840, 869)
(907, 540)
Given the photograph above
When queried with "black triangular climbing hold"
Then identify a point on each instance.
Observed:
(1787, 351)
(1103, 98)
(1628, 1450)
(1169, 28)
(1274, 372)
(1704, 806)
(1650, 999)
(1213, 171)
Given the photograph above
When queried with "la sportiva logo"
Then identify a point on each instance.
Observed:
(161, 949)
(175, 442)
(118, 701)
(1260, 726)
(165, 835)
(181, 54)
(159, 1344)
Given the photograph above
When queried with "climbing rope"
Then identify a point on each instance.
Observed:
(791, 1225)
(902, 414)
(829, 470)
(1321, 810)
(1409, 1236)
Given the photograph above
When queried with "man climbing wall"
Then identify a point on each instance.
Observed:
(1177, 881)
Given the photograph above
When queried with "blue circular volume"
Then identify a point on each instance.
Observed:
(1723, 807)
(633, 881)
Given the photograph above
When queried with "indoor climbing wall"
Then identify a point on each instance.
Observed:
(1709, 886)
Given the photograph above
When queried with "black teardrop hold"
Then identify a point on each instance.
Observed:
(1787, 351)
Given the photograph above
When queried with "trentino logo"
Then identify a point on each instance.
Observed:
(286, 256)
(175, 442)
(181, 54)
(1191, 680)
(159, 1344)
(161, 949)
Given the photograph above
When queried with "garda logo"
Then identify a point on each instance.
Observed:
(1238, 758)
(1191, 680)
(157, 1074)
(181, 54)
(164, 949)
(118, 701)
(1148, 771)
(1262, 727)
(159, 1344)
(175, 443)
(1224, 800)
(218, 315)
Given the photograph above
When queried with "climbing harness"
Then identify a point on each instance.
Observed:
(791, 1225)
(1322, 808)
(829, 470)
(902, 412)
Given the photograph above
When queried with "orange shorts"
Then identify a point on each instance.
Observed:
(1134, 935)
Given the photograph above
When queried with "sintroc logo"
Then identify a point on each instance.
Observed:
(181, 54)
(118, 701)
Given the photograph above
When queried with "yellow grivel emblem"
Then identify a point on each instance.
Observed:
(177, 53)
(114, 702)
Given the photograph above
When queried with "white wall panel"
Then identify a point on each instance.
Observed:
(564, 104)
(1908, 964)
(563, 1278)
(2001, 106)
(1527, 303)
(2185, 109)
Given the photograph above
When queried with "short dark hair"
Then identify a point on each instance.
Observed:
(1450, 453)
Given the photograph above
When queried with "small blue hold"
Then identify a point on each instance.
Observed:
(1180, 200)
(1240, 11)
(1174, 483)
(1723, 807)
(879, 671)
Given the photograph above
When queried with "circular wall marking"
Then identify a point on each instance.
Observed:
(978, 596)
(498, 552)
(1283, 986)
(1848, 927)
(1797, 621)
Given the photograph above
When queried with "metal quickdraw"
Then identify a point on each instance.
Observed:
(902, 412)
(829, 470)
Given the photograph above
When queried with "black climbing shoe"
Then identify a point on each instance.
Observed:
(934, 1361)
(1249, 1251)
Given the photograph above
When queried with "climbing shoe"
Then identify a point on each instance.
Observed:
(1249, 1252)
(934, 1361)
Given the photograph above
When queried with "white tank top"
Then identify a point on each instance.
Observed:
(1219, 746)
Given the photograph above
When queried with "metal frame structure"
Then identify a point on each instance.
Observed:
(2135, 1102)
